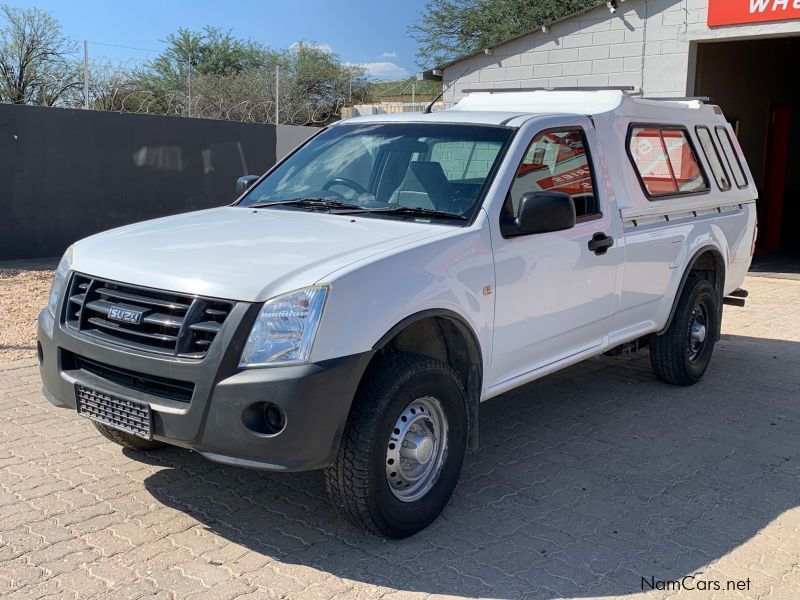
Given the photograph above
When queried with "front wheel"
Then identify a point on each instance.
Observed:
(402, 450)
(681, 355)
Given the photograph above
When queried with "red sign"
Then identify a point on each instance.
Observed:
(572, 182)
(736, 12)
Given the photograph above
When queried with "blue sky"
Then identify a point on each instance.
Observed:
(371, 33)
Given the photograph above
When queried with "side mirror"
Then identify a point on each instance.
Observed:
(542, 212)
(245, 182)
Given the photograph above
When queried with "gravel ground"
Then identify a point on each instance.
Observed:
(24, 286)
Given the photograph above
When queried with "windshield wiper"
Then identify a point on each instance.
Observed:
(413, 211)
(308, 202)
(347, 209)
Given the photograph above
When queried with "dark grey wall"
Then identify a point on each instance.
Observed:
(66, 174)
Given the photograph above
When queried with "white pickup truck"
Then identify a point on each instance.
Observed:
(351, 310)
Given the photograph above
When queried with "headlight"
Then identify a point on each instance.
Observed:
(285, 328)
(59, 279)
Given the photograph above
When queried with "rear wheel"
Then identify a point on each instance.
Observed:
(682, 354)
(403, 447)
(126, 440)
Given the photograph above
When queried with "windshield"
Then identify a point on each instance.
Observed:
(396, 170)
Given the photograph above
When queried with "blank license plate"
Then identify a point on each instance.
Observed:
(130, 416)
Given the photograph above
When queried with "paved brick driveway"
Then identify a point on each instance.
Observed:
(587, 481)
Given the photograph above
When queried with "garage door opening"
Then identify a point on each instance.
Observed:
(756, 84)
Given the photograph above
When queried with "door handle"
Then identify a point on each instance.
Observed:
(600, 243)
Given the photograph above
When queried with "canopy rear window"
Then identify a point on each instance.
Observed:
(665, 161)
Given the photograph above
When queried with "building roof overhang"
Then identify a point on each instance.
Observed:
(437, 73)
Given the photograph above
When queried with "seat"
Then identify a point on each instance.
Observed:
(424, 186)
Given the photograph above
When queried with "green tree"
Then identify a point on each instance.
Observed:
(314, 86)
(165, 85)
(37, 62)
(320, 81)
(207, 52)
(211, 73)
(451, 28)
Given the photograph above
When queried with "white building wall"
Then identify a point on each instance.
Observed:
(648, 44)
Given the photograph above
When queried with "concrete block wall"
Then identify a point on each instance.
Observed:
(463, 160)
(648, 44)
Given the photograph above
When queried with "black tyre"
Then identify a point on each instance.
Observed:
(126, 440)
(403, 446)
(682, 354)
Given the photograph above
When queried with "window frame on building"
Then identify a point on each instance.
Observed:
(695, 155)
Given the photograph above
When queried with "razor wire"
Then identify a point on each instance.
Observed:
(245, 99)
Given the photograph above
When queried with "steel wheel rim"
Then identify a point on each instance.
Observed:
(698, 332)
(416, 450)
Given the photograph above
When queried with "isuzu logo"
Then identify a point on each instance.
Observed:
(125, 315)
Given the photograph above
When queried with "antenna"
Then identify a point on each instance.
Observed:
(429, 109)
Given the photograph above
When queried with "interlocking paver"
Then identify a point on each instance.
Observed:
(587, 482)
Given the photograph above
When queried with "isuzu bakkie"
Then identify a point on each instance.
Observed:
(353, 307)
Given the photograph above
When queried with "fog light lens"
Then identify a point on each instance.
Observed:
(264, 418)
(274, 417)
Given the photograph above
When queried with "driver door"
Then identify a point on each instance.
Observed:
(555, 297)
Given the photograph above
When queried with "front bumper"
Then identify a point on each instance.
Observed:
(315, 398)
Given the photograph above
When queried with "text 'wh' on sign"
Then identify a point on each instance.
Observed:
(735, 12)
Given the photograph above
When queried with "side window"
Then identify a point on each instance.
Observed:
(713, 157)
(732, 157)
(666, 161)
(557, 161)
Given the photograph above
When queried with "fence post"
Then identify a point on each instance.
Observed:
(86, 74)
(190, 85)
(277, 93)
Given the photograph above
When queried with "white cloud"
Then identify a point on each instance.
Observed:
(383, 70)
(318, 45)
(389, 55)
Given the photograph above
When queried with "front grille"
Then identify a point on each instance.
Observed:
(149, 384)
(119, 413)
(165, 322)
